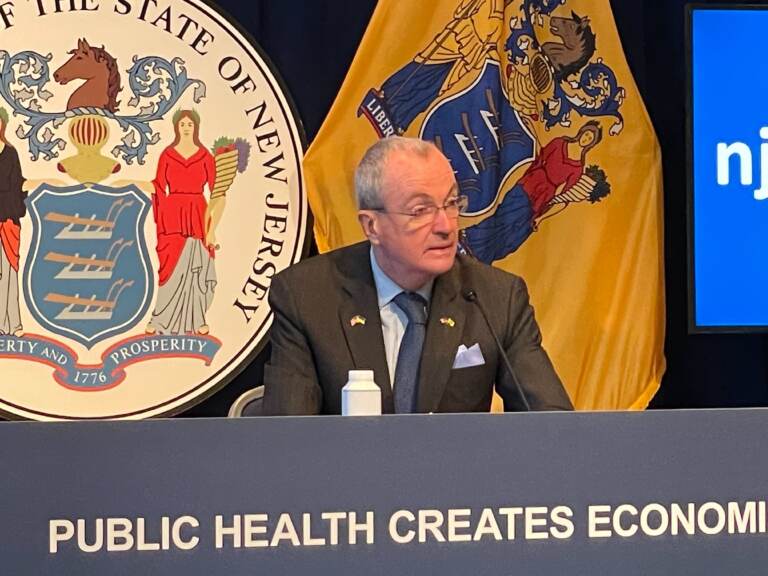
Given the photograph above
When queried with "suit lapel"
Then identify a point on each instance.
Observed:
(444, 329)
(361, 322)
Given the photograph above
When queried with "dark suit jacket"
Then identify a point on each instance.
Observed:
(314, 344)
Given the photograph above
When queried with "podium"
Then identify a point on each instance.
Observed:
(645, 493)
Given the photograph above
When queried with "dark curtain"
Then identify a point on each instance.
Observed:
(312, 42)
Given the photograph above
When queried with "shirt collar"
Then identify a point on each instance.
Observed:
(387, 289)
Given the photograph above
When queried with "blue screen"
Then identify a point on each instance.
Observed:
(729, 82)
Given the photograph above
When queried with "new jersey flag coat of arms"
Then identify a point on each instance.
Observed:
(149, 191)
(534, 105)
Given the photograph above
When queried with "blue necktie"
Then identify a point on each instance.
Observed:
(409, 356)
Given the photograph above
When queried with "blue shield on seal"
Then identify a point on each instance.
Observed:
(88, 275)
(482, 136)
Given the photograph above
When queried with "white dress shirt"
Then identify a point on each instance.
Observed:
(393, 319)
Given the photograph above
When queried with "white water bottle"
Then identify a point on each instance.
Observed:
(361, 396)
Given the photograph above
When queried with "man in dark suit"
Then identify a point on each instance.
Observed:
(404, 305)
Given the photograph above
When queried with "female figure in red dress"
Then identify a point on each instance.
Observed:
(12, 210)
(186, 277)
(557, 168)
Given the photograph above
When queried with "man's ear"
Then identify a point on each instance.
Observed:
(369, 223)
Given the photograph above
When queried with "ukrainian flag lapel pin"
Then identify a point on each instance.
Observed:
(448, 321)
(357, 320)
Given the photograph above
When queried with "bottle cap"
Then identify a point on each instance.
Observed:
(360, 375)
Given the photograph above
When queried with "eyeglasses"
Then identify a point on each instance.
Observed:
(424, 213)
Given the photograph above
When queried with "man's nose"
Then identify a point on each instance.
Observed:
(444, 224)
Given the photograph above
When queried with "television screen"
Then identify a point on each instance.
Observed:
(728, 167)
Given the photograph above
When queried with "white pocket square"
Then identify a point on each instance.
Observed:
(468, 357)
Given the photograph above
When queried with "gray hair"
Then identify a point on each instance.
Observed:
(368, 174)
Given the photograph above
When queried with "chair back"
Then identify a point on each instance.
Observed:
(249, 403)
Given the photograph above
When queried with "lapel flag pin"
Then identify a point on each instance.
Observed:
(357, 320)
(448, 321)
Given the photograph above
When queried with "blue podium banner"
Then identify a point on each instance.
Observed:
(652, 493)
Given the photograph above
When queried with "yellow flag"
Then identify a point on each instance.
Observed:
(534, 104)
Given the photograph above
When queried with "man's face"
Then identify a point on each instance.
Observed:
(413, 251)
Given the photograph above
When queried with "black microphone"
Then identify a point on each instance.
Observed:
(471, 296)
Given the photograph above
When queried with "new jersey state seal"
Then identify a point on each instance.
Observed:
(150, 188)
